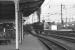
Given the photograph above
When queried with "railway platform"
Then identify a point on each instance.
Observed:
(29, 43)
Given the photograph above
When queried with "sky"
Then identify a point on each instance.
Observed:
(51, 9)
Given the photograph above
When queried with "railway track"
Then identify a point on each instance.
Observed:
(51, 45)
(70, 33)
(66, 38)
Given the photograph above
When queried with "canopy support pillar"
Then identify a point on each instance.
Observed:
(16, 22)
(20, 27)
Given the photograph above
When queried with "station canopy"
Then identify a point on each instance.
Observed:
(26, 7)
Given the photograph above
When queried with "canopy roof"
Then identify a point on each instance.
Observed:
(7, 8)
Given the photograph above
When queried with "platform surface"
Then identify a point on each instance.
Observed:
(29, 43)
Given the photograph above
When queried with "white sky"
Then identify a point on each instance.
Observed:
(51, 9)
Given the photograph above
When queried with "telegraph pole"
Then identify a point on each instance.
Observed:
(66, 19)
(38, 14)
(61, 15)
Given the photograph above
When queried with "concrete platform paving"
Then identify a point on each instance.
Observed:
(32, 43)
(29, 43)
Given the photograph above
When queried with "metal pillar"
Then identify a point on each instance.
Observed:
(22, 26)
(16, 22)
